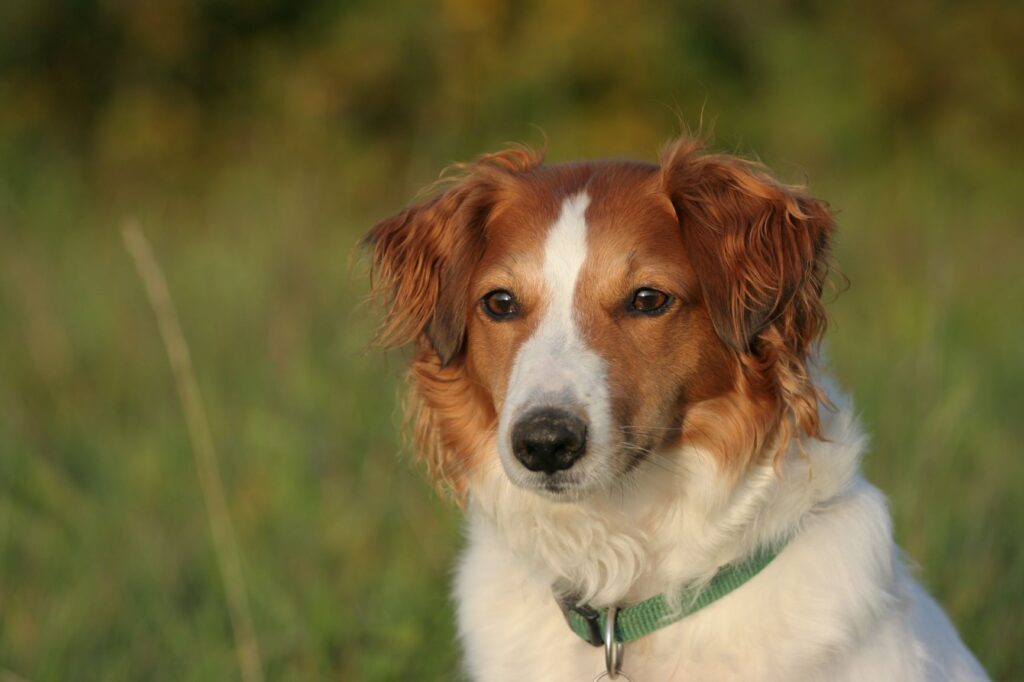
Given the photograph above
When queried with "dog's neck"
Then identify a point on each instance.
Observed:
(677, 519)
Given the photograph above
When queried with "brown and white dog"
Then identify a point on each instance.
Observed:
(615, 370)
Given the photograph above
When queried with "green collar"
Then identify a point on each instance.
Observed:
(643, 618)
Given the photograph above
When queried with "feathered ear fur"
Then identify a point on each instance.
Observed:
(761, 252)
(422, 260)
(424, 256)
(761, 248)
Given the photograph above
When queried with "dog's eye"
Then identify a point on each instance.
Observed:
(649, 301)
(500, 305)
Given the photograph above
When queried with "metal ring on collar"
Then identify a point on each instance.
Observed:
(612, 649)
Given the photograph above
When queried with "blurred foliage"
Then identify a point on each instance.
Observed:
(256, 140)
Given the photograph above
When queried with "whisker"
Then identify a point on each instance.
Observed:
(637, 427)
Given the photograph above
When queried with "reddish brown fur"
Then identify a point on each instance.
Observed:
(726, 367)
(762, 251)
(658, 366)
(422, 260)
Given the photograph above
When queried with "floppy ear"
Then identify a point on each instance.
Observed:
(760, 248)
(422, 262)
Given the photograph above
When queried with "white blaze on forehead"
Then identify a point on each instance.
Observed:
(564, 252)
(555, 367)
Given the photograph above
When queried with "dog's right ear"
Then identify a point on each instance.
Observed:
(423, 259)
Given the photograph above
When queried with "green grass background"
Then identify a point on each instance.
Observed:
(255, 142)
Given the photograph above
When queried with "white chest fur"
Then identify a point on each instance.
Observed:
(836, 604)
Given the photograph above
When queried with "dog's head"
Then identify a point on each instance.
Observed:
(577, 320)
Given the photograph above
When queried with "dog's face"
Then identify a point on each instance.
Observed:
(585, 326)
(579, 320)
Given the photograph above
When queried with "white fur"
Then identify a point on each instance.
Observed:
(554, 367)
(836, 604)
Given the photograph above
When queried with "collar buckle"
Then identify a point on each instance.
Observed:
(575, 613)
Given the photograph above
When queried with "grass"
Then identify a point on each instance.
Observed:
(106, 567)
(211, 482)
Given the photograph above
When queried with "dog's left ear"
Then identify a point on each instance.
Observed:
(760, 248)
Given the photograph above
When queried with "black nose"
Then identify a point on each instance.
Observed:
(549, 440)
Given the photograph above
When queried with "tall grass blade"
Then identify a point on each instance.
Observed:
(207, 469)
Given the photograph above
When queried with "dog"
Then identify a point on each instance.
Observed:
(616, 371)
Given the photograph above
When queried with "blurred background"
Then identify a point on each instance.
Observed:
(255, 141)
